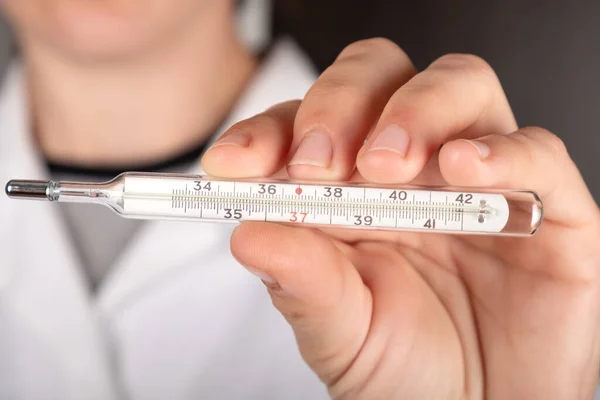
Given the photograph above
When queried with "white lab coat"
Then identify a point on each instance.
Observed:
(177, 318)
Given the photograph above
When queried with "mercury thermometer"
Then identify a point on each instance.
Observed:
(347, 205)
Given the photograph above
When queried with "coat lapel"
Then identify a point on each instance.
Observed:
(45, 306)
(162, 246)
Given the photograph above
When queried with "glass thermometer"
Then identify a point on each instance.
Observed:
(347, 205)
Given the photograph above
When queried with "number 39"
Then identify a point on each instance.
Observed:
(363, 220)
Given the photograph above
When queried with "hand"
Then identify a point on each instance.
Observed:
(381, 315)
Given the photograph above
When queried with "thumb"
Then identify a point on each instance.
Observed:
(315, 287)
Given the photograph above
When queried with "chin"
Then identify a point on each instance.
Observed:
(97, 44)
(100, 28)
(89, 33)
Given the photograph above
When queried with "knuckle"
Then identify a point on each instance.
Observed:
(336, 91)
(283, 110)
(259, 123)
(368, 47)
(462, 60)
(466, 62)
(330, 99)
(549, 139)
(289, 104)
(557, 144)
(297, 317)
(405, 113)
(416, 98)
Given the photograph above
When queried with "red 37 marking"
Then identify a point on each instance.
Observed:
(297, 216)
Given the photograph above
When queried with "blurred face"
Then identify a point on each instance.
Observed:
(103, 28)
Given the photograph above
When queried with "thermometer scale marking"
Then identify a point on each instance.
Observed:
(386, 208)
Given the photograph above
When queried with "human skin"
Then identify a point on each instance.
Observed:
(380, 315)
(117, 83)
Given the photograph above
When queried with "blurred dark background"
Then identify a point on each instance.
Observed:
(546, 53)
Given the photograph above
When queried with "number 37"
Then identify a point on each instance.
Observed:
(298, 216)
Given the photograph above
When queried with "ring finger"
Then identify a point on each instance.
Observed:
(457, 96)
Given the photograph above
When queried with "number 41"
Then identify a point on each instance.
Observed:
(430, 224)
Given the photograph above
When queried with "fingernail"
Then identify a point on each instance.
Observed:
(234, 139)
(262, 275)
(482, 148)
(393, 138)
(315, 149)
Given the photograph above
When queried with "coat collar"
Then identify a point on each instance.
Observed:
(160, 246)
(286, 74)
(44, 298)
(30, 221)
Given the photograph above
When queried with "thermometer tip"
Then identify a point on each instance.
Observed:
(27, 189)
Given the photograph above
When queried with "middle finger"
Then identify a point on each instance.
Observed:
(342, 106)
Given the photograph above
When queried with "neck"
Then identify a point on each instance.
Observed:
(137, 110)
